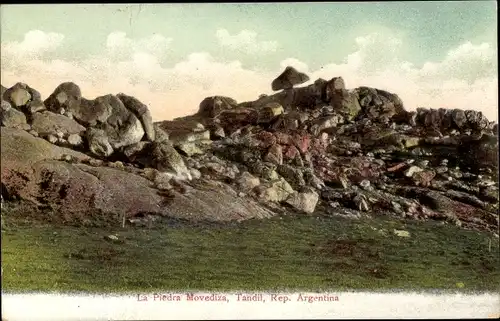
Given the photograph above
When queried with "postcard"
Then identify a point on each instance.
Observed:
(178, 161)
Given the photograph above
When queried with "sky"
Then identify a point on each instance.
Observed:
(434, 54)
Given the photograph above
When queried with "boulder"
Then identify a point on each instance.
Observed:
(21, 95)
(210, 107)
(183, 124)
(269, 112)
(66, 96)
(412, 170)
(141, 111)
(75, 140)
(326, 124)
(6, 106)
(266, 171)
(186, 136)
(292, 175)
(459, 118)
(232, 120)
(476, 120)
(379, 105)
(189, 148)
(165, 158)
(18, 97)
(89, 113)
(290, 121)
(47, 123)
(345, 103)
(274, 155)
(19, 147)
(276, 191)
(20, 151)
(98, 142)
(215, 201)
(309, 97)
(303, 201)
(121, 126)
(289, 78)
(12, 117)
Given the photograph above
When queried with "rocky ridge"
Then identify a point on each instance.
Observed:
(313, 149)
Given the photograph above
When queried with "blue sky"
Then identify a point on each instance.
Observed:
(171, 56)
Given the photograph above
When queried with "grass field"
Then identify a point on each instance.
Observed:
(288, 253)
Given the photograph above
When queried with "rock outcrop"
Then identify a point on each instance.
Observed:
(320, 148)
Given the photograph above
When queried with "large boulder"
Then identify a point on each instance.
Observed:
(184, 130)
(164, 157)
(66, 96)
(212, 106)
(326, 124)
(75, 191)
(141, 111)
(49, 123)
(23, 97)
(17, 96)
(342, 100)
(98, 142)
(11, 117)
(106, 113)
(289, 78)
(303, 201)
(479, 154)
(311, 96)
(20, 151)
(476, 120)
(275, 191)
(187, 135)
(379, 105)
(292, 120)
(234, 119)
(459, 118)
(214, 201)
(269, 112)
(109, 114)
(20, 147)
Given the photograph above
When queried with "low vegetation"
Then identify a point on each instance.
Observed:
(287, 253)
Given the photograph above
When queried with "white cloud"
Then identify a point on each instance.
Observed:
(376, 52)
(245, 41)
(34, 44)
(465, 78)
(121, 47)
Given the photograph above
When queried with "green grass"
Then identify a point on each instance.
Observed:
(292, 253)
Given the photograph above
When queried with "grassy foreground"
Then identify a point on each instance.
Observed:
(291, 253)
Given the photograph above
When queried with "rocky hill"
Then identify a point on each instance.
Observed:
(317, 149)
